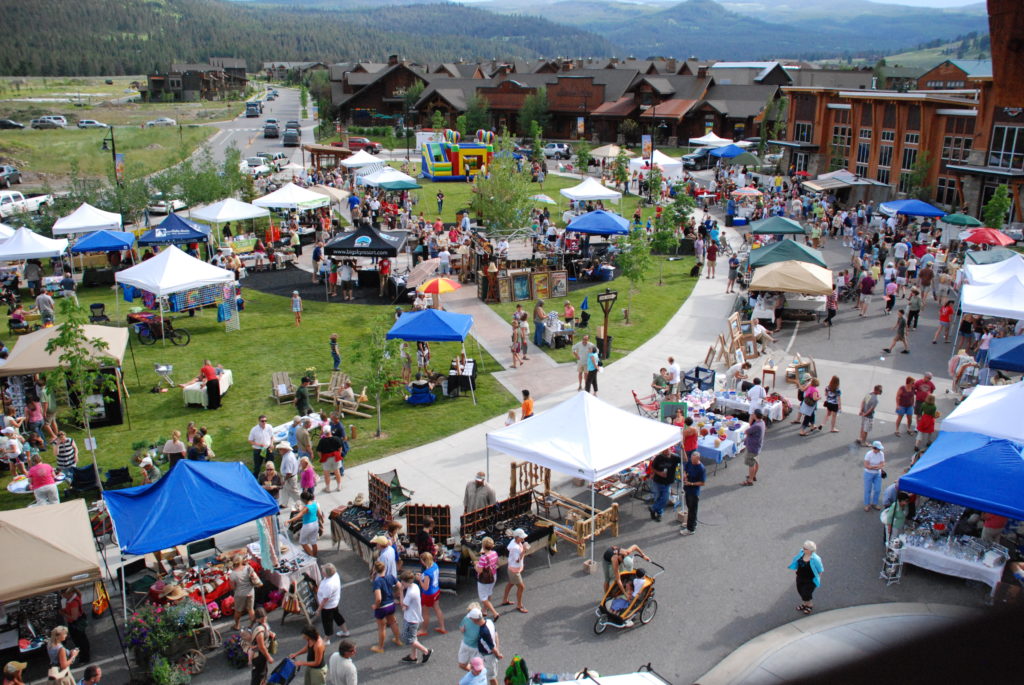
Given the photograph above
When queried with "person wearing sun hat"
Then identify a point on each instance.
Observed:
(12, 672)
(874, 465)
(517, 549)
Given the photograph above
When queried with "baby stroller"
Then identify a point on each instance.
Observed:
(619, 611)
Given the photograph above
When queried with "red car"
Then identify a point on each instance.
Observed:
(357, 144)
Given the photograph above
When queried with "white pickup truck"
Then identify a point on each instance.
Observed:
(13, 202)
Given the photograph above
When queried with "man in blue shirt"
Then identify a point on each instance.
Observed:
(693, 479)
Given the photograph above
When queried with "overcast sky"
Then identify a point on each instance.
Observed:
(932, 3)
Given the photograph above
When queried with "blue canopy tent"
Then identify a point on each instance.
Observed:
(104, 241)
(910, 208)
(434, 325)
(194, 500)
(727, 152)
(599, 222)
(175, 229)
(972, 470)
(1007, 354)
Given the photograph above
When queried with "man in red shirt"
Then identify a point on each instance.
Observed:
(922, 388)
(384, 272)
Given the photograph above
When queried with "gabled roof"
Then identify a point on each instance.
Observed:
(741, 73)
(371, 67)
(622, 107)
(674, 108)
(660, 84)
(198, 66)
(975, 68)
(740, 102)
(228, 62)
(455, 91)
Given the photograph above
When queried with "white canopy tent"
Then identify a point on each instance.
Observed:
(27, 244)
(6, 231)
(670, 167)
(1005, 298)
(584, 437)
(229, 210)
(360, 159)
(591, 189)
(711, 140)
(291, 196)
(990, 274)
(610, 151)
(87, 219)
(992, 410)
(173, 271)
(385, 175)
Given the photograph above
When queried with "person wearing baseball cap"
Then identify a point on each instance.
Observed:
(476, 674)
(289, 493)
(470, 628)
(478, 494)
(874, 466)
(13, 669)
(517, 550)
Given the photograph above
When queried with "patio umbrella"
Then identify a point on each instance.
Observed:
(962, 220)
(802, 173)
(989, 236)
(746, 192)
(436, 286)
(422, 272)
(543, 198)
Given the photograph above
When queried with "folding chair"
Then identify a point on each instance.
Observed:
(98, 313)
(400, 497)
(648, 407)
(201, 551)
(117, 478)
(84, 479)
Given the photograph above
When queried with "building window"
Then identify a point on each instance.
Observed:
(904, 184)
(912, 138)
(885, 155)
(861, 170)
(1007, 147)
(945, 191)
(909, 157)
(841, 137)
(803, 131)
(800, 161)
(863, 153)
(888, 136)
(882, 176)
(956, 148)
(865, 134)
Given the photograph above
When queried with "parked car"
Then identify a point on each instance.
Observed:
(290, 138)
(58, 119)
(13, 202)
(271, 131)
(91, 123)
(43, 122)
(699, 159)
(9, 175)
(163, 204)
(275, 160)
(557, 151)
(255, 167)
(10, 123)
(371, 146)
(162, 121)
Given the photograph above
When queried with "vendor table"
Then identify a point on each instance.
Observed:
(292, 564)
(740, 403)
(806, 303)
(935, 559)
(465, 381)
(193, 393)
(725, 449)
(553, 331)
(281, 432)
(762, 312)
(19, 485)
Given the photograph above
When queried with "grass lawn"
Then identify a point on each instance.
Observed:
(270, 342)
(148, 149)
(651, 308)
(91, 88)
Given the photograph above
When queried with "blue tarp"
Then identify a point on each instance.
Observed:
(431, 325)
(728, 151)
(1007, 353)
(910, 208)
(972, 470)
(104, 241)
(195, 500)
(175, 229)
(599, 222)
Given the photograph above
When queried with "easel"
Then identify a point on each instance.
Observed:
(308, 604)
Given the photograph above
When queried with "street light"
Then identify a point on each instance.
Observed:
(113, 154)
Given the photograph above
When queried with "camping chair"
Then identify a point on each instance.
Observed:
(138, 577)
(281, 387)
(117, 478)
(420, 394)
(98, 313)
(333, 390)
(400, 497)
(201, 551)
(648, 407)
(84, 479)
(584, 319)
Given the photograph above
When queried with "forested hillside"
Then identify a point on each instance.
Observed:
(101, 37)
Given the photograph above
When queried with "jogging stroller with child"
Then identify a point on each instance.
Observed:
(618, 609)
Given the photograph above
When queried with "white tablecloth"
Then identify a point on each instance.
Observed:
(935, 560)
(306, 564)
(806, 303)
(20, 485)
(194, 393)
(772, 410)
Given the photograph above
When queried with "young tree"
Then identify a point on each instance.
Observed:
(376, 357)
(620, 171)
(130, 196)
(654, 179)
(917, 180)
(478, 115)
(537, 143)
(583, 156)
(634, 260)
(629, 130)
(534, 110)
(503, 197)
(994, 213)
(437, 121)
(462, 124)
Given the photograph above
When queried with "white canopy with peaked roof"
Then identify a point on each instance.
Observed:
(591, 189)
(30, 356)
(1005, 298)
(291, 196)
(27, 244)
(670, 167)
(584, 437)
(711, 140)
(6, 231)
(610, 151)
(385, 175)
(229, 210)
(173, 271)
(992, 410)
(87, 219)
(989, 274)
(360, 159)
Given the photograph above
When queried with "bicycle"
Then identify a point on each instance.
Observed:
(149, 332)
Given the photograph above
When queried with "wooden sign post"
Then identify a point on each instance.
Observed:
(607, 301)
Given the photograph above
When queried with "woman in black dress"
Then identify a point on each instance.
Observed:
(808, 567)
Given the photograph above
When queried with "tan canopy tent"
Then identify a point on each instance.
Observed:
(30, 356)
(46, 549)
(793, 277)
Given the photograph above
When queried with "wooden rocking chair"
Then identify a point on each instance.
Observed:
(281, 387)
(332, 391)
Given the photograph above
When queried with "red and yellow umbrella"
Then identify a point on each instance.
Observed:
(437, 286)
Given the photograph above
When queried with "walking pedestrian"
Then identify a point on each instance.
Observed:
(617, 559)
(517, 550)
(261, 437)
(712, 257)
(486, 575)
(581, 351)
(734, 269)
(833, 402)
(867, 285)
(925, 426)
(526, 408)
(867, 414)
(945, 319)
(289, 492)
(469, 646)
(808, 407)
(259, 653)
(831, 307)
(900, 326)
(430, 584)
(593, 367)
(315, 663)
(384, 606)
(905, 399)
(312, 518)
(874, 467)
(335, 354)
(412, 615)
(539, 316)
(809, 568)
(341, 669)
(328, 595)
(914, 306)
(297, 307)
(753, 442)
(663, 475)
(693, 478)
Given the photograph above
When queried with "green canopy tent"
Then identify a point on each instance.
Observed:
(400, 185)
(776, 225)
(787, 250)
(747, 158)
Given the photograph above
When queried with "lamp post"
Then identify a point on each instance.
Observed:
(113, 165)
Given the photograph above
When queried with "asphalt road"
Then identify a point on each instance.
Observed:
(246, 133)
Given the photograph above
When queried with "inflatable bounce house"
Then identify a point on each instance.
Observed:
(450, 160)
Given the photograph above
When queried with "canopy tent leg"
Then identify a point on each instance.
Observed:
(472, 385)
(593, 540)
(956, 335)
(488, 463)
(124, 591)
(117, 629)
(132, 351)
(163, 331)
